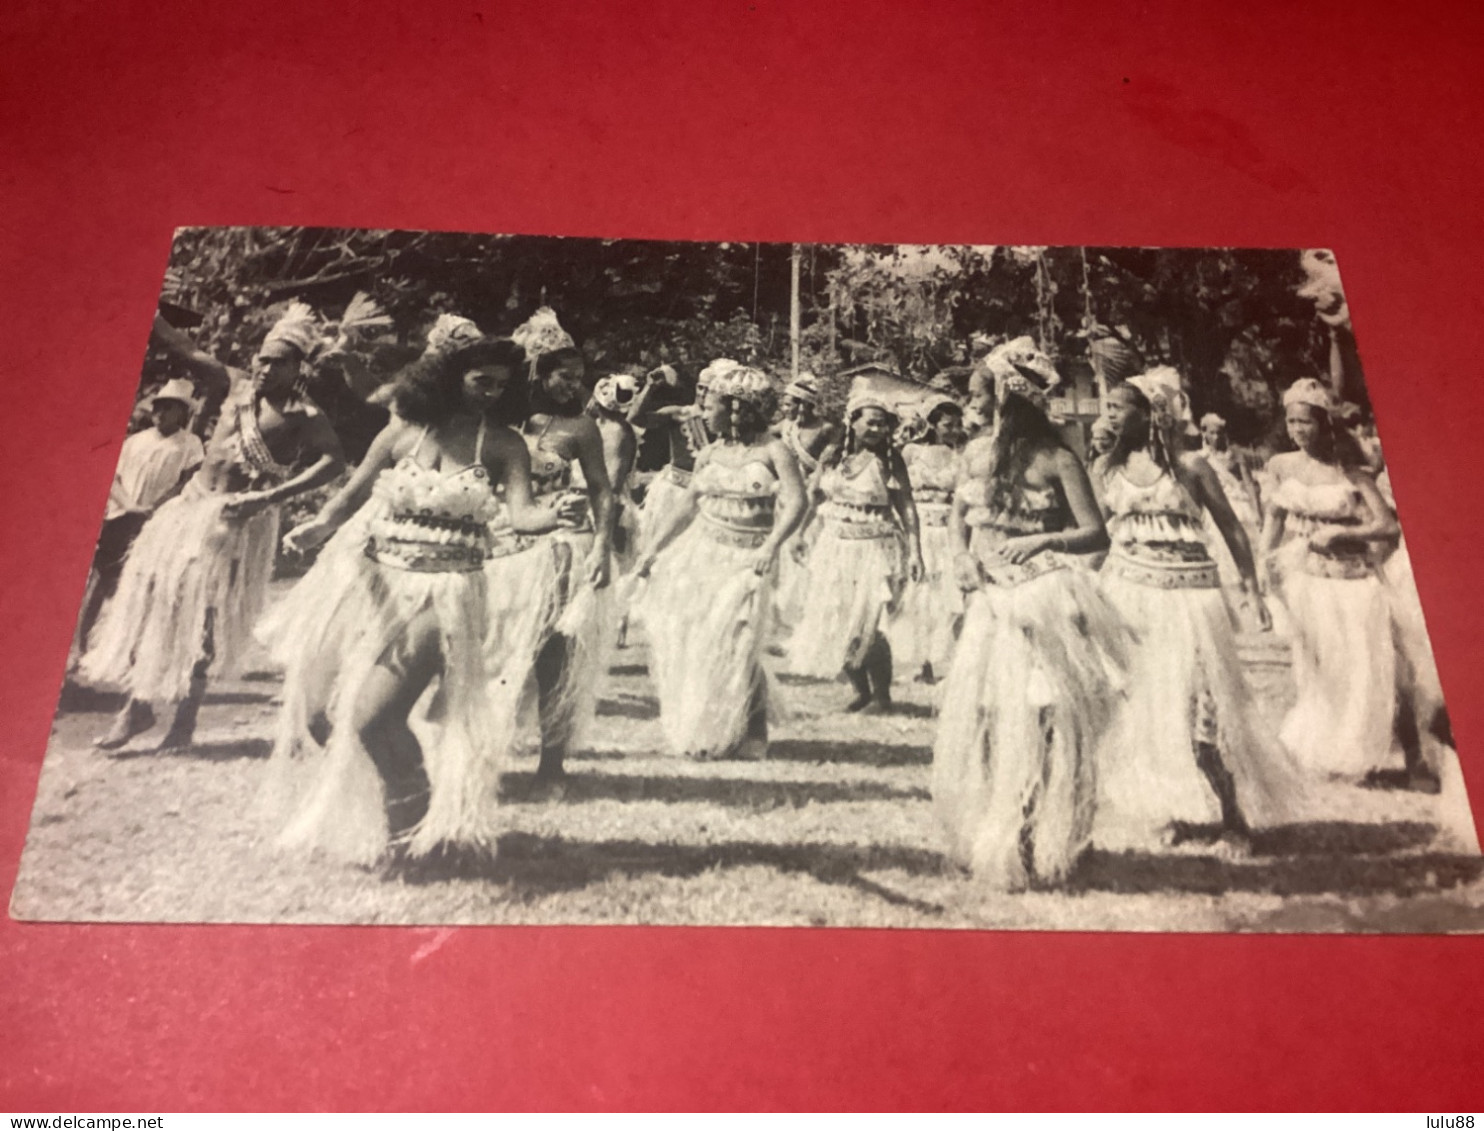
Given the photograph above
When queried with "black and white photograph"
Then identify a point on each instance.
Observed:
(459, 578)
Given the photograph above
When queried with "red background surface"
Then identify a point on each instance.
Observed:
(1254, 124)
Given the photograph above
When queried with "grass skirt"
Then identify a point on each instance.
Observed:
(707, 614)
(189, 568)
(922, 630)
(662, 501)
(1030, 690)
(330, 798)
(1344, 668)
(852, 585)
(535, 595)
(1185, 686)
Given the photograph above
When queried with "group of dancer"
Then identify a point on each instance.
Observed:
(477, 568)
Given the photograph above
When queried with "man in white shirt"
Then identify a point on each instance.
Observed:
(153, 466)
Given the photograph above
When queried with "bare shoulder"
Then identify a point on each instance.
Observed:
(778, 453)
(1282, 463)
(1061, 462)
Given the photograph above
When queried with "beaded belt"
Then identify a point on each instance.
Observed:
(429, 543)
(425, 557)
(1338, 567)
(933, 514)
(855, 520)
(676, 475)
(747, 538)
(1007, 575)
(1161, 572)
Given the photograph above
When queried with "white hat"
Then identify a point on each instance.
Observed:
(175, 389)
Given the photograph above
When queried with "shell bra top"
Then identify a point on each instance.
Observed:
(237, 455)
(737, 498)
(1024, 510)
(934, 469)
(1311, 506)
(552, 474)
(1160, 518)
(858, 498)
(433, 522)
(1158, 534)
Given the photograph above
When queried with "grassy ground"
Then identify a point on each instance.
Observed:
(833, 829)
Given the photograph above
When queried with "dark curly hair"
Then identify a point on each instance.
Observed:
(564, 356)
(1024, 432)
(430, 390)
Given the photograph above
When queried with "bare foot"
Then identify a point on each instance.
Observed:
(136, 718)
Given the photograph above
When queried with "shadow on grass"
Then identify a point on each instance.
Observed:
(214, 698)
(855, 753)
(578, 788)
(625, 706)
(1322, 858)
(253, 748)
(542, 865)
(77, 699)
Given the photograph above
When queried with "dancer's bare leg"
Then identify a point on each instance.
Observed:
(555, 707)
(136, 717)
(183, 727)
(382, 708)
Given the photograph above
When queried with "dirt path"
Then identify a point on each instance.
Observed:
(834, 828)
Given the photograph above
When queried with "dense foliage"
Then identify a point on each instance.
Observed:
(1229, 320)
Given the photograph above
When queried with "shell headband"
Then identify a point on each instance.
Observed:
(750, 385)
(1306, 390)
(1168, 403)
(1019, 367)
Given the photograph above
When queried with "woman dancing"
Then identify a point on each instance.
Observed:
(1324, 514)
(855, 567)
(414, 613)
(811, 439)
(926, 624)
(1033, 678)
(706, 606)
(1186, 747)
(568, 470)
(685, 432)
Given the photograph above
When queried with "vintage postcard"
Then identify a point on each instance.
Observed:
(479, 579)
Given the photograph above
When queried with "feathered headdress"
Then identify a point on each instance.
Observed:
(299, 328)
(451, 332)
(542, 333)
